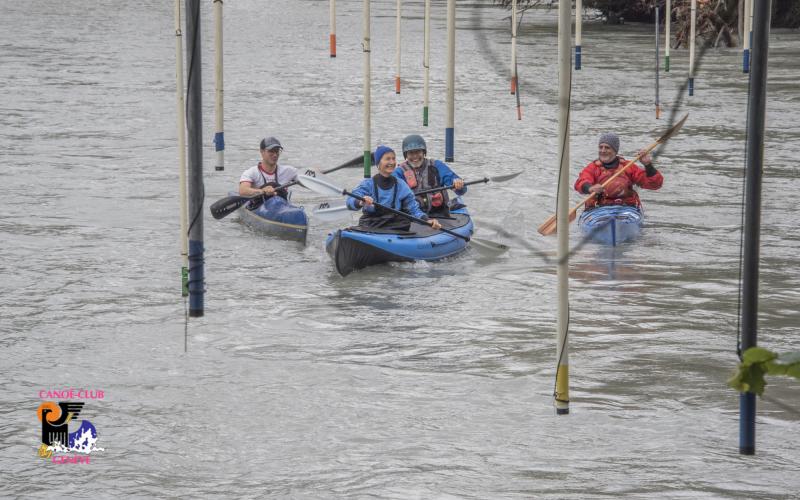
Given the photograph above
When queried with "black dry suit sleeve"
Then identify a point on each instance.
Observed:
(650, 170)
(585, 187)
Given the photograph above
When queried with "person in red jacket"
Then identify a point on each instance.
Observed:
(619, 191)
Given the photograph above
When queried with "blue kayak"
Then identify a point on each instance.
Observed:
(277, 217)
(358, 247)
(611, 224)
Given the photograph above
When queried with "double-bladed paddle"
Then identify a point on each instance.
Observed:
(229, 204)
(551, 224)
(327, 211)
(496, 178)
(325, 187)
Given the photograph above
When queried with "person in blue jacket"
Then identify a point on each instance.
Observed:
(386, 189)
(422, 173)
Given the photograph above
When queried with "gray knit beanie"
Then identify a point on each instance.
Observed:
(611, 139)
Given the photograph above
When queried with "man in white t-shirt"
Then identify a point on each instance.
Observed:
(267, 175)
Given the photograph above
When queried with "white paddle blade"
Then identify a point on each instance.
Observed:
(487, 247)
(331, 211)
(320, 186)
(504, 178)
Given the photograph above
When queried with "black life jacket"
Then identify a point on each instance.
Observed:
(428, 178)
(283, 193)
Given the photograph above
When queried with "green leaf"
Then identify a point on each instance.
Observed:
(757, 362)
(757, 355)
(774, 368)
(794, 371)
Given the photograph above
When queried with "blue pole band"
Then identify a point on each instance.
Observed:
(747, 423)
(577, 57)
(449, 138)
(196, 278)
(219, 141)
(691, 86)
(746, 61)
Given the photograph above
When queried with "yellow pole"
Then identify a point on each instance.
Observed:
(561, 395)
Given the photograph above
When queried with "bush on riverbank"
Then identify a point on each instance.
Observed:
(718, 21)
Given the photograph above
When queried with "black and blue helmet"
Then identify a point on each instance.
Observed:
(413, 142)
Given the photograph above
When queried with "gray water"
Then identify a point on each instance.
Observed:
(403, 381)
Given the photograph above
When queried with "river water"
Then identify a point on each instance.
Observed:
(403, 381)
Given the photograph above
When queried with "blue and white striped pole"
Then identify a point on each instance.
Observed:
(692, 22)
(747, 35)
(219, 137)
(449, 134)
(578, 34)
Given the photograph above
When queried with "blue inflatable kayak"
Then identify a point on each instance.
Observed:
(358, 247)
(612, 224)
(277, 217)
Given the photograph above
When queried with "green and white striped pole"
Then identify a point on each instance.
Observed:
(181, 124)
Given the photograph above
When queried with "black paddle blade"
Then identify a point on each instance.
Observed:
(227, 206)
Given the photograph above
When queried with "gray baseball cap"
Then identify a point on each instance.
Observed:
(270, 143)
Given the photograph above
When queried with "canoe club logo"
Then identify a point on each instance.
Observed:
(58, 443)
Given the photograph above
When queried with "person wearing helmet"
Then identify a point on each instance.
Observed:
(620, 190)
(421, 173)
(264, 177)
(387, 190)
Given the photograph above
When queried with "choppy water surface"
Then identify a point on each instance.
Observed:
(424, 380)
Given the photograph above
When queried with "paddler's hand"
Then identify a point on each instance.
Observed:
(268, 190)
(367, 201)
(458, 184)
(645, 157)
(434, 224)
(596, 189)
